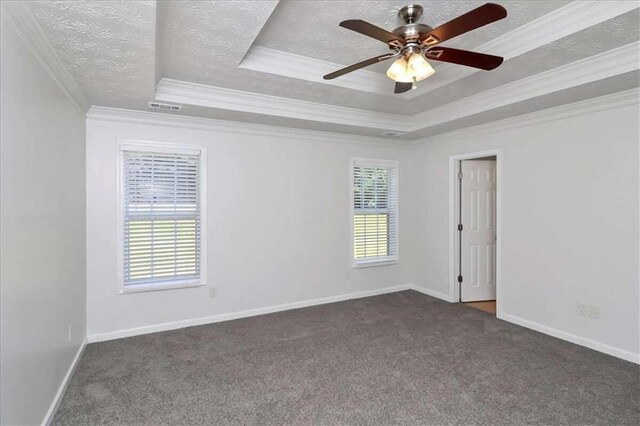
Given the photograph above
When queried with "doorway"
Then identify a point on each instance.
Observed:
(475, 242)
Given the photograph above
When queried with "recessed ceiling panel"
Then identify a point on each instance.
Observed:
(310, 28)
(263, 61)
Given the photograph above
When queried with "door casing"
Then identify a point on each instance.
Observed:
(454, 197)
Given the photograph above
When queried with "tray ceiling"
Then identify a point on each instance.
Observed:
(262, 61)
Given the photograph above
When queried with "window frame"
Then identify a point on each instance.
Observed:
(380, 260)
(170, 148)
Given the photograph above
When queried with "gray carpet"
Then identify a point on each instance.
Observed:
(402, 358)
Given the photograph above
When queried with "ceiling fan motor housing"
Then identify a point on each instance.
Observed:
(411, 13)
(411, 30)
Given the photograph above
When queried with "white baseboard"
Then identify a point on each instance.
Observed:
(63, 386)
(101, 337)
(591, 344)
(431, 293)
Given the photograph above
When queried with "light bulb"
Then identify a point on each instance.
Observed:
(398, 71)
(419, 67)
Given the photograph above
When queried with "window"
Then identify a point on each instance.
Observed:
(375, 203)
(162, 217)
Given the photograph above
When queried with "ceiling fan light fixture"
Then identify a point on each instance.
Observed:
(419, 67)
(415, 42)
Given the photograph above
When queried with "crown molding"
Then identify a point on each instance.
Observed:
(587, 106)
(236, 100)
(607, 102)
(30, 32)
(604, 65)
(119, 115)
(266, 60)
(562, 22)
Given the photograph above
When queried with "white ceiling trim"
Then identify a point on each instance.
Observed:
(182, 121)
(604, 65)
(587, 106)
(217, 97)
(607, 102)
(30, 32)
(272, 61)
(562, 22)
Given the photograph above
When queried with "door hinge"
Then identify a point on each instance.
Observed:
(460, 175)
(459, 278)
(460, 227)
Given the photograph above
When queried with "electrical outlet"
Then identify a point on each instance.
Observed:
(213, 292)
(593, 312)
(590, 311)
(70, 329)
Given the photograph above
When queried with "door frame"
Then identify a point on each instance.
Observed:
(454, 252)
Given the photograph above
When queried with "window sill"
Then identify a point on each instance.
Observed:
(141, 288)
(372, 263)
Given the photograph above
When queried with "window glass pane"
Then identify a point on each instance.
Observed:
(374, 221)
(161, 217)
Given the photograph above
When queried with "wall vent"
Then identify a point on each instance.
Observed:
(391, 134)
(165, 107)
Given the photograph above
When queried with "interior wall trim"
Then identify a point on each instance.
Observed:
(562, 22)
(174, 325)
(598, 67)
(573, 338)
(63, 385)
(587, 106)
(432, 293)
(266, 60)
(32, 35)
(601, 66)
(235, 127)
(236, 100)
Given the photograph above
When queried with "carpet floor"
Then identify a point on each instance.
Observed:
(401, 358)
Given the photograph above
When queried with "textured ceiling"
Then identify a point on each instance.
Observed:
(593, 40)
(108, 46)
(118, 50)
(310, 28)
(204, 39)
(304, 24)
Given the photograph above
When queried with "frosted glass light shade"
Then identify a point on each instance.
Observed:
(398, 71)
(419, 67)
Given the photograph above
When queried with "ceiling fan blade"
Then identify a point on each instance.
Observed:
(359, 65)
(370, 30)
(483, 15)
(402, 87)
(464, 57)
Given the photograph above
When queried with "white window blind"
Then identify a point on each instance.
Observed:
(162, 218)
(375, 237)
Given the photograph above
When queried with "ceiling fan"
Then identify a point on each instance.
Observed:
(413, 43)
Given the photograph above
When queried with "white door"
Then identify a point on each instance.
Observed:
(478, 235)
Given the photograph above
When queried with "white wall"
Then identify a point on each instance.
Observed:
(278, 226)
(569, 223)
(42, 243)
